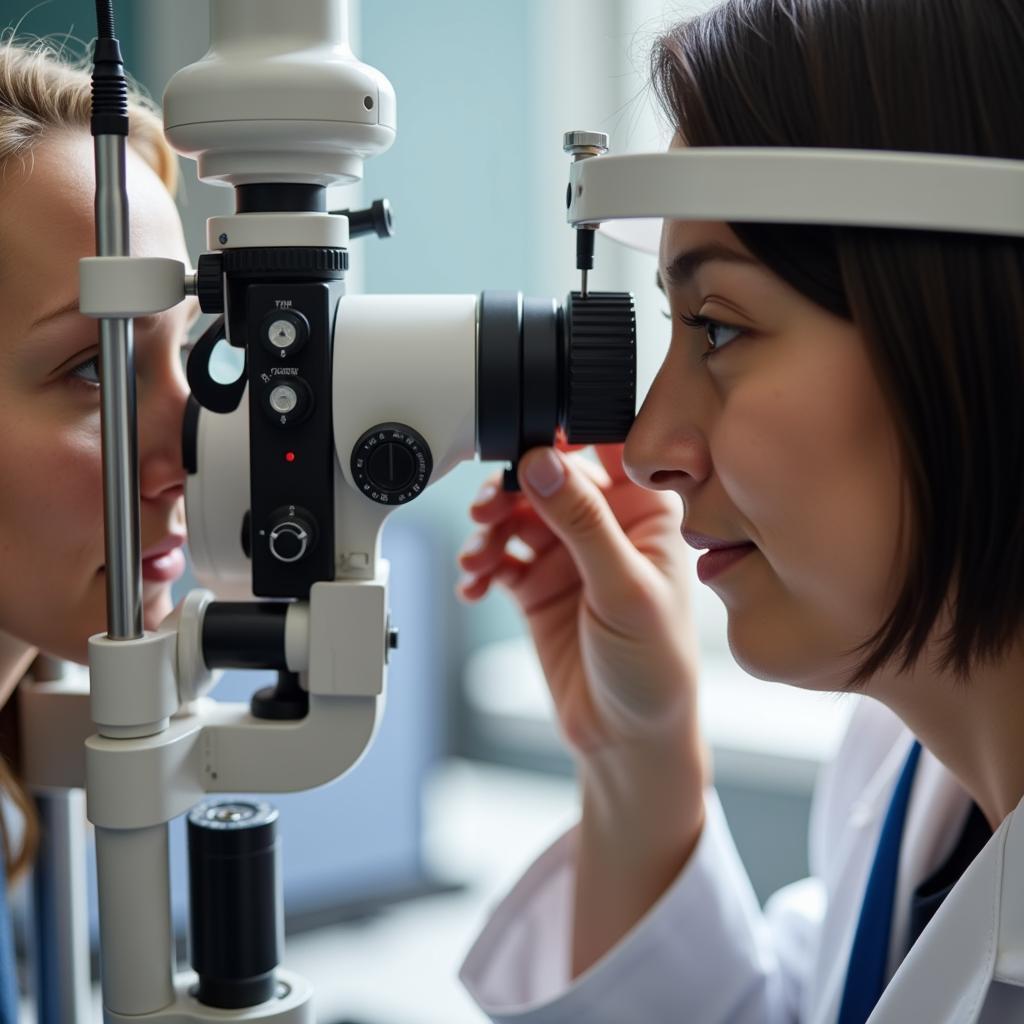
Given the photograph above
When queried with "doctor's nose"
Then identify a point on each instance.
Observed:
(666, 449)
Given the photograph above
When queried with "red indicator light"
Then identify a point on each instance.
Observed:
(289, 456)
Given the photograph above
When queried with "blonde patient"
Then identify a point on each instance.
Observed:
(52, 597)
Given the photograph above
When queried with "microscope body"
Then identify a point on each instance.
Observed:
(279, 107)
(347, 408)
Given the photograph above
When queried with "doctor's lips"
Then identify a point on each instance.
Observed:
(721, 554)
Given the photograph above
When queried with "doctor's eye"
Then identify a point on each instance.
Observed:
(710, 327)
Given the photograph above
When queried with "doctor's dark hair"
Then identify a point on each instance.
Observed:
(942, 314)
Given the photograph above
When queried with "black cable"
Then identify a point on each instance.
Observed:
(105, 19)
(109, 86)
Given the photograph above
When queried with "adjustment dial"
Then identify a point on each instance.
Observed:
(391, 464)
(292, 534)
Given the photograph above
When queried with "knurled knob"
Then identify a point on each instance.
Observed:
(209, 283)
(600, 364)
(581, 144)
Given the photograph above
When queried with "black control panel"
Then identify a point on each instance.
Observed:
(291, 521)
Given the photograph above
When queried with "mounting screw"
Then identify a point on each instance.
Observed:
(584, 144)
(223, 239)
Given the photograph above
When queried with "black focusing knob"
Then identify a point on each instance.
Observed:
(391, 464)
(292, 534)
(210, 283)
(600, 367)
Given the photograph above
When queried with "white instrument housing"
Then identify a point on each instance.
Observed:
(405, 358)
(279, 98)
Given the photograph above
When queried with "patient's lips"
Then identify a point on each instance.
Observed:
(164, 561)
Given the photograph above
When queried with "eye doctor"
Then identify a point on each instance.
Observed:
(838, 423)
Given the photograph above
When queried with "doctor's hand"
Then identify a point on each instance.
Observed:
(605, 595)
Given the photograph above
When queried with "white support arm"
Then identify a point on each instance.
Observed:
(129, 286)
(859, 188)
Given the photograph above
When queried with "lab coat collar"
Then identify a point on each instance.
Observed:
(976, 937)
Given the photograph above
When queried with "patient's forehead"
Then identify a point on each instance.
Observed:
(47, 221)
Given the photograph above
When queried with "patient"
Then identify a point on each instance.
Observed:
(52, 595)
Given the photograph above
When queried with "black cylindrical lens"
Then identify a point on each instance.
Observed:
(541, 372)
(541, 367)
(598, 394)
(237, 930)
(499, 374)
(245, 634)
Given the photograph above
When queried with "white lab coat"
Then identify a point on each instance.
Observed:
(707, 954)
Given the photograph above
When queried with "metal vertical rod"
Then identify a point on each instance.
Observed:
(137, 956)
(119, 419)
(60, 919)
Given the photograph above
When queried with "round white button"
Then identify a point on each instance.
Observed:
(282, 333)
(283, 399)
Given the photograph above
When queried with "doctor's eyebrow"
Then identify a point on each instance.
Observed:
(683, 268)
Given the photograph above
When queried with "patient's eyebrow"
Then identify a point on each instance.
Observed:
(683, 268)
(142, 321)
(68, 307)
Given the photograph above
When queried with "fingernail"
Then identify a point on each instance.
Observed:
(545, 474)
(487, 492)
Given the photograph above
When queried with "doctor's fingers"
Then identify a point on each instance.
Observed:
(493, 503)
(483, 552)
(649, 519)
(542, 583)
(506, 516)
(535, 584)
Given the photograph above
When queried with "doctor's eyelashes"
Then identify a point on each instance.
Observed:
(709, 326)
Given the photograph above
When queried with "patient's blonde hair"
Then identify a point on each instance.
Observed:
(41, 92)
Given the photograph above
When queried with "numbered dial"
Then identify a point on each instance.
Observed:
(284, 332)
(391, 464)
(292, 534)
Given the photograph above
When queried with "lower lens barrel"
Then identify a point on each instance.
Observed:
(234, 902)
